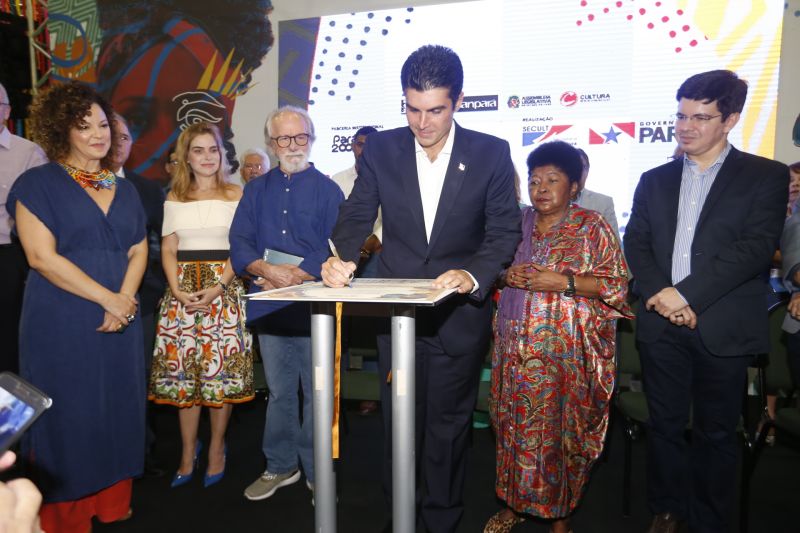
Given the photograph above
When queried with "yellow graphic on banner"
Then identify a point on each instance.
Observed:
(744, 39)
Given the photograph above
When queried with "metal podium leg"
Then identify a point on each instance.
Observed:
(403, 393)
(322, 329)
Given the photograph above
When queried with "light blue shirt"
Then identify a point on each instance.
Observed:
(695, 185)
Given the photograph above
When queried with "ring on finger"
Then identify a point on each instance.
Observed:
(131, 317)
(120, 327)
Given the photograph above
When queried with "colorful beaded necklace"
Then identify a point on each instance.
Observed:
(102, 179)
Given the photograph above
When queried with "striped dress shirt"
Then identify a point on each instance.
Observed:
(695, 185)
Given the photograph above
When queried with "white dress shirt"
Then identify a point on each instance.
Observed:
(430, 175)
(431, 178)
(346, 179)
(16, 156)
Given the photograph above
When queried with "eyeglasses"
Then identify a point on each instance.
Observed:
(699, 118)
(284, 141)
(256, 166)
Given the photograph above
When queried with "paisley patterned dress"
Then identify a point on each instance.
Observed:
(553, 366)
(202, 358)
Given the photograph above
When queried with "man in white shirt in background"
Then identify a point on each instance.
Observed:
(16, 156)
(595, 201)
(368, 267)
(371, 249)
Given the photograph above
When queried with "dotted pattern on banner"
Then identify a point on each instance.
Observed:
(343, 44)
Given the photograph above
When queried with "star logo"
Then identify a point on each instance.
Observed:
(618, 132)
(611, 135)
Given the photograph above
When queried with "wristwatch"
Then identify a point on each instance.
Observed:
(570, 290)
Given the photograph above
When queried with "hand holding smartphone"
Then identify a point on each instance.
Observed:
(20, 405)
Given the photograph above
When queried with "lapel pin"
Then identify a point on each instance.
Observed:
(462, 167)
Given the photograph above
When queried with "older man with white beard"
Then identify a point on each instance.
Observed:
(292, 210)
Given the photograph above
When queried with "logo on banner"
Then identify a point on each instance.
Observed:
(342, 143)
(655, 131)
(536, 134)
(479, 103)
(615, 132)
(595, 97)
(569, 99)
(539, 100)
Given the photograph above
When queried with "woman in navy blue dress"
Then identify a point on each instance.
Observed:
(83, 233)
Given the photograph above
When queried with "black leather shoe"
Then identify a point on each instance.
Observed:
(665, 523)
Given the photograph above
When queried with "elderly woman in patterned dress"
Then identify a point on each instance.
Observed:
(553, 361)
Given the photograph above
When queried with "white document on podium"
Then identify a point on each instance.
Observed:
(362, 290)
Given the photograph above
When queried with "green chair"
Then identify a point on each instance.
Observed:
(630, 405)
(772, 375)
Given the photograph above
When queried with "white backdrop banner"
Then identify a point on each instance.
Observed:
(600, 75)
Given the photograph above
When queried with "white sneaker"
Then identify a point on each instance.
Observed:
(310, 486)
(266, 485)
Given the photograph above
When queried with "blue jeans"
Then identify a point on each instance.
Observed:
(287, 361)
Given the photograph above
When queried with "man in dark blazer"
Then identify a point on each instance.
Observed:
(154, 282)
(450, 213)
(699, 242)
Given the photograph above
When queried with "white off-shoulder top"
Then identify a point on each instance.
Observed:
(201, 224)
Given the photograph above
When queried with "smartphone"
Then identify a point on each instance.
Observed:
(20, 405)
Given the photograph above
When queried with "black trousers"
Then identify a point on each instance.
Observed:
(793, 356)
(446, 392)
(695, 480)
(13, 272)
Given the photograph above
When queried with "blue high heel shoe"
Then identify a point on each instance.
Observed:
(183, 479)
(210, 480)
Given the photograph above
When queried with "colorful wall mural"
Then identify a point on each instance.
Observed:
(163, 64)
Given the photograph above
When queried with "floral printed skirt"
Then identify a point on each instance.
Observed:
(202, 358)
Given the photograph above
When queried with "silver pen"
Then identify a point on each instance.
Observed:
(336, 255)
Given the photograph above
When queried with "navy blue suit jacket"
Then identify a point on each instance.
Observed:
(477, 225)
(735, 238)
(154, 281)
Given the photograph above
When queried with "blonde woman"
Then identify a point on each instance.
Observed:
(203, 351)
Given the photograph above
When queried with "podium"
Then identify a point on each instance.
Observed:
(401, 297)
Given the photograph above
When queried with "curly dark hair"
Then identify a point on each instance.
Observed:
(561, 155)
(58, 109)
